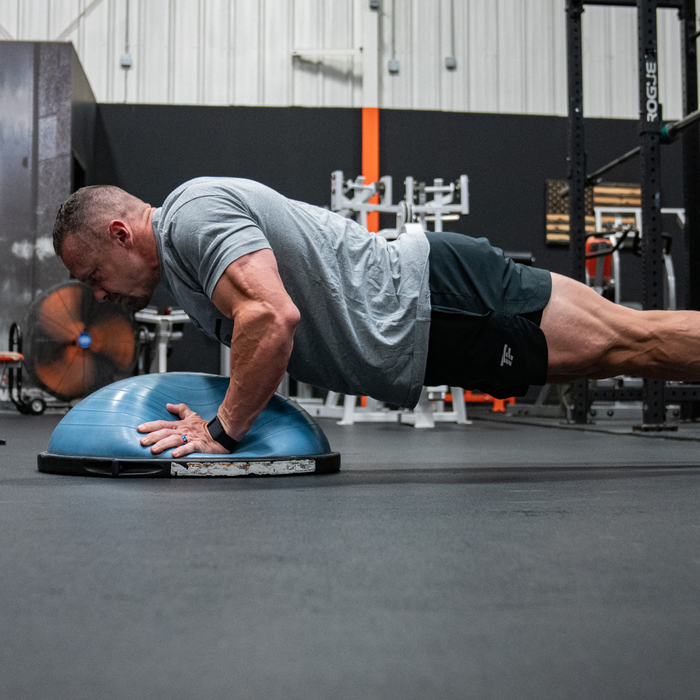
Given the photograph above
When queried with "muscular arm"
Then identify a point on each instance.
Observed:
(264, 318)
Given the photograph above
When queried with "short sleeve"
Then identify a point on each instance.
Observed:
(210, 232)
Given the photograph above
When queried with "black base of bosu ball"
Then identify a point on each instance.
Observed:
(99, 438)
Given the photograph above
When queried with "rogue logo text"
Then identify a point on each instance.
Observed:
(652, 91)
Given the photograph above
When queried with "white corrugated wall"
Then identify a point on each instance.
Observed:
(511, 54)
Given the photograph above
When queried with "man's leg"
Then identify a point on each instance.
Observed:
(589, 336)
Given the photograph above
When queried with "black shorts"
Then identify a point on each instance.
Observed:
(485, 316)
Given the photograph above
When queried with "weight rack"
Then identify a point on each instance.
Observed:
(655, 394)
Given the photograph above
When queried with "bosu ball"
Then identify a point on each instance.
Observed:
(98, 437)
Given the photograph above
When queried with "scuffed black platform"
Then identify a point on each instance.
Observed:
(227, 466)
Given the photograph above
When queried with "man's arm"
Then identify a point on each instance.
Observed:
(251, 293)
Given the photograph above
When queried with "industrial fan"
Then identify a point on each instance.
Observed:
(74, 345)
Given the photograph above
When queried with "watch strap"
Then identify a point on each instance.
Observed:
(217, 432)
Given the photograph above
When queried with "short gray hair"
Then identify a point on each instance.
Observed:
(83, 211)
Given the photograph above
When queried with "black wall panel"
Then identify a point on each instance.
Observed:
(151, 149)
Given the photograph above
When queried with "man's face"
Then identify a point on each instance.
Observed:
(112, 273)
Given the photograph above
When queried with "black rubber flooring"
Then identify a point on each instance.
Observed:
(487, 561)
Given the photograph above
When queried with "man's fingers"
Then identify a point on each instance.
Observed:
(168, 442)
(179, 409)
(185, 450)
(156, 425)
(156, 435)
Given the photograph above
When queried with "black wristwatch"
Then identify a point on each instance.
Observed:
(216, 430)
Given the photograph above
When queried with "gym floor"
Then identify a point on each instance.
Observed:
(496, 560)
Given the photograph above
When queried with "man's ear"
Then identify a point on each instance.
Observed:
(121, 233)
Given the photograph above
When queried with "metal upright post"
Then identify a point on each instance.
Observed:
(577, 177)
(691, 173)
(654, 413)
(691, 155)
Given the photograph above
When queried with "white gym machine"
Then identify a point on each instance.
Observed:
(350, 198)
(158, 330)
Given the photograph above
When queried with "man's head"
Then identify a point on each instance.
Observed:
(104, 237)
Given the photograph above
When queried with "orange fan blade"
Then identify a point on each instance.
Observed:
(113, 336)
(69, 376)
(59, 314)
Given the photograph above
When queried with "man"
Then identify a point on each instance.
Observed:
(293, 287)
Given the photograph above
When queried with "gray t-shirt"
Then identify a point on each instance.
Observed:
(364, 302)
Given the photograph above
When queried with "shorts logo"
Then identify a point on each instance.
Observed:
(507, 356)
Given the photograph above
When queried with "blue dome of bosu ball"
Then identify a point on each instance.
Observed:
(99, 438)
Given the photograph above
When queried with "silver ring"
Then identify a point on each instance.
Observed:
(184, 439)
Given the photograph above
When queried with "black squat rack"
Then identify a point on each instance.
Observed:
(656, 394)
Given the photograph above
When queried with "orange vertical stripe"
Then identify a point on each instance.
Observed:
(370, 157)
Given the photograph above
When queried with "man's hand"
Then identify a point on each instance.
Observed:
(163, 434)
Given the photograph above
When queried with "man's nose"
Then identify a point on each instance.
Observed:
(100, 294)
